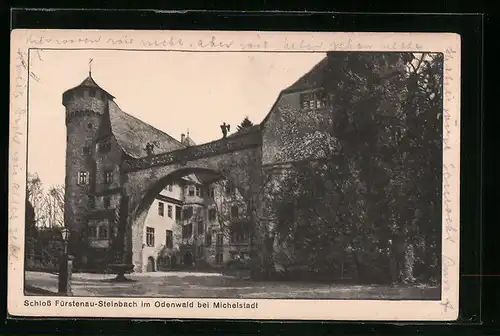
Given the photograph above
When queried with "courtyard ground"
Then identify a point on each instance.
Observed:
(217, 285)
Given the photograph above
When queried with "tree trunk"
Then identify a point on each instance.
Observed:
(409, 263)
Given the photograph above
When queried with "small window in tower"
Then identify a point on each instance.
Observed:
(92, 92)
(92, 202)
(198, 191)
(83, 178)
(92, 232)
(106, 202)
(191, 191)
(108, 177)
(105, 145)
(89, 126)
(103, 232)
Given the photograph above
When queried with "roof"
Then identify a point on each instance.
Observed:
(311, 79)
(133, 134)
(89, 82)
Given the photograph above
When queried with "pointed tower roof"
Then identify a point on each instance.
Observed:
(89, 82)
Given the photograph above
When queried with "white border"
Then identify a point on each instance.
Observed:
(449, 44)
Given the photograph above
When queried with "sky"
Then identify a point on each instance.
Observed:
(173, 91)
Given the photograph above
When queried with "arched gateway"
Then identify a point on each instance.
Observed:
(116, 163)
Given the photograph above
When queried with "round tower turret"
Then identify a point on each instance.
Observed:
(85, 104)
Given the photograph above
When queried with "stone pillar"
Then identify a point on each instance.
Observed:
(65, 275)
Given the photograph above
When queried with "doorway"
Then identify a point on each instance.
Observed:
(188, 259)
(151, 264)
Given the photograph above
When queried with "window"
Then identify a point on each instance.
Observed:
(169, 211)
(238, 235)
(87, 150)
(198, 191)
(83, 178)
(105, 145)
(92, 92)
(212, 214)
(106, 202)
(89, 126)
(220, 239)
(188, 213)
(103, 232)
(187, 231)
(219, 258)
(228, 189)
(161, 209)
(211, 193)
(312, 100)
(208, 239)
(150, 236)
(169, 187)
(191, 191)
(178, 212)
(92, 202)
(108, 177)
(200, 226)
(234, 212)
(169, 242)
(93, 232)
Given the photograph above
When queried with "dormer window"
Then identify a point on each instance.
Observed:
(313, 100)
(92, 92)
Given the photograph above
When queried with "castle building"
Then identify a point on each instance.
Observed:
(195, 220)
(181, 228)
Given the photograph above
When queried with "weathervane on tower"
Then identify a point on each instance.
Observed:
(90, 67)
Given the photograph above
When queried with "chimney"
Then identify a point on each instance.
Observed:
(183, 137)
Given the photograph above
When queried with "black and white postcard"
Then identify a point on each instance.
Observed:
(244, 175)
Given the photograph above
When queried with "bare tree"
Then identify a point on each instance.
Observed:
(55, 206)
(36, 197)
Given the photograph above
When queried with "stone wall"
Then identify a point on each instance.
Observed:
(293, 134)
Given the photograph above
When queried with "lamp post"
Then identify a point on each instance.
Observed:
(65, 266)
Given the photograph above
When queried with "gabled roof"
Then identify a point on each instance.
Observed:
(133, 134)
(311, 79)
(89, 82)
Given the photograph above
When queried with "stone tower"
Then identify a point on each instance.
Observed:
(85, 104)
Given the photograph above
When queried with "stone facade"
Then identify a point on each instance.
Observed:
(117, 168)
